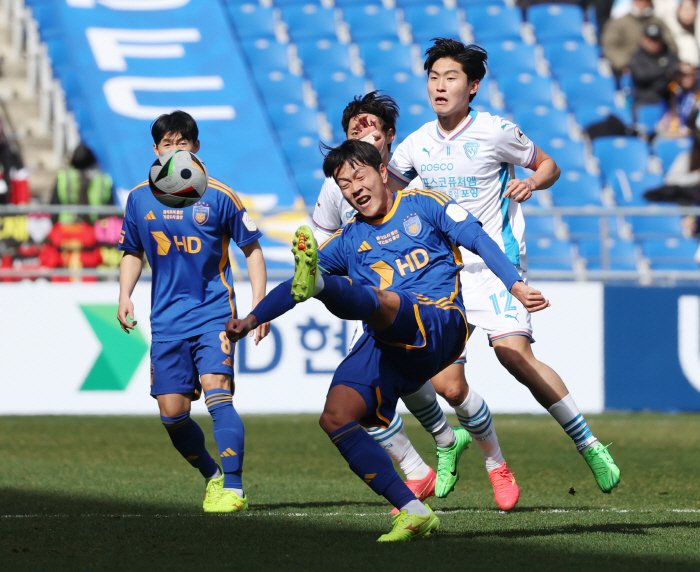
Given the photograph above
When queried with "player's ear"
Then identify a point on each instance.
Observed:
(390, 134)
(155, 150)
(384, 173)
(475, 86)
(195, 147)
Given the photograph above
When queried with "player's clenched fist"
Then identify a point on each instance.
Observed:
(532, 299)
(237, 329)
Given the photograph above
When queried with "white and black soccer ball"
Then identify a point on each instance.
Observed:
(178, 179)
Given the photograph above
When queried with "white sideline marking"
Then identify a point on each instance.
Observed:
(358, 514)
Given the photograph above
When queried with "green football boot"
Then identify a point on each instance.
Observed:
(604, 469)
(448, 462)
(214, 487)
(305, 252)
(409, 526)
(224, 501)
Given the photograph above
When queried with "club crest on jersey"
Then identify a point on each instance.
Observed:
(200, 214)
(470, 149)
(413, 225)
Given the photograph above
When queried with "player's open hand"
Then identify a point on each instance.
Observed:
(260, 332)
(237, 329)
(519, 190)
(365, 127)
(532, 299)
(125, 315)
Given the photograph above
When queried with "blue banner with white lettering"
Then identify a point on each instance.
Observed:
(652, 348)
(124, 62)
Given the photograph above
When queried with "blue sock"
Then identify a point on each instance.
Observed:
(188, 439)
(229, 435)
(371, 463)
(346, 300)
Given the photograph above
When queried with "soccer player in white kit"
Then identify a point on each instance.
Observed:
(373, 116)
(470, 156)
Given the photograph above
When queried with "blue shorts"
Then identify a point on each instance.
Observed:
(382, 366)
(177, 365)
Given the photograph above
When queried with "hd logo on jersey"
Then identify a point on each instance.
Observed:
(471, 149)
(413, 225)
(200, 214)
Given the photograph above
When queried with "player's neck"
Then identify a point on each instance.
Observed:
(448, 123)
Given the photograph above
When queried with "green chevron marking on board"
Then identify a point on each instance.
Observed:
(121, 354)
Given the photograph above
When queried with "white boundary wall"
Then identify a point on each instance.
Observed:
(48, 348)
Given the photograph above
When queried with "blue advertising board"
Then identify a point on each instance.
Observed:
(652, 348)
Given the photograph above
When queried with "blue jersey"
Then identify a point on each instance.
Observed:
(413, 248)
(192, 290)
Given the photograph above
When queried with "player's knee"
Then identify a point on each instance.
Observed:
(454, 392)
(331, 421)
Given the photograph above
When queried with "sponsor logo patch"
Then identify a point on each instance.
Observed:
(456, 213)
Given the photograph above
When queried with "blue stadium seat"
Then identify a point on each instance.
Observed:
(371, 22)
(413, 117)
(494, 22)
(673, 254)
(382, 57)
(556, 21)
(589, 227)
(264, 54)
(667, 149)
(294, 120)
(526, 89)
(337, 89)
(546, 254)
(510, 57)
(306, 162)
(252, 21)
(468, 3)
(323, 55)
(279, 88)
(656, 227)
(577, 189)
(571, 57)
(539, 227)
(309, 21)
(431, 20)
(627, 153)
(629, 189)
(542, 119)
(569, 155)
(621, 255)
(406, 89)
(588, 89)
(588, 114)
(648, 116)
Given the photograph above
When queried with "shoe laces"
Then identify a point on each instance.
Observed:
(503, 478)
(601, 460)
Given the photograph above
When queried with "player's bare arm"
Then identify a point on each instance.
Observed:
(546, 174)
(129, 273)
(257, 274)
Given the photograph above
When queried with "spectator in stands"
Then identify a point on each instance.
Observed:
(681, 19)
(620, 37)
(82, 183)
(685, 94)
(652, 66)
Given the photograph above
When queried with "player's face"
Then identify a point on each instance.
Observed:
(449, 88)
(173, 141)
(366, 124)
(365, 189)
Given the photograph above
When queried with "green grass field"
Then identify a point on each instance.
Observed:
(110, 493)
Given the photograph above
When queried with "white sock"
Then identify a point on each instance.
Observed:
(395, 442)
(424, 406)
(569, 417)
(319, 283)
(415, 507)
(474, 415)
(216, 475)
(239, 492)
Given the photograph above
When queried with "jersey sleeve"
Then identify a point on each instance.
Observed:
(512, 145)
(401, 164)
(445, 214)
(235, 220)
(327, 215)
(130, 240)
(332, 257)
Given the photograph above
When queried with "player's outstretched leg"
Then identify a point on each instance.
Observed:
(344, 406)
(228, 495)
(420, 477)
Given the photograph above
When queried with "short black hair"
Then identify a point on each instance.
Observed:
(383, 106)
(354, 152)
(176, 122)
(472, 57)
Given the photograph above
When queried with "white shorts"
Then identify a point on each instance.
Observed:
(489, 306)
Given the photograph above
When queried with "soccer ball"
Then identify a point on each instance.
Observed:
(178, 179)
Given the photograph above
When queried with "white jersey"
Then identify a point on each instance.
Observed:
(472, 165)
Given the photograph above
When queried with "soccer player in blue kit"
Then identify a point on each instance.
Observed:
(191, 298)
(396, 267)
